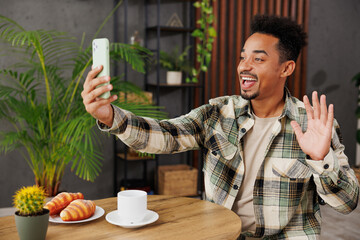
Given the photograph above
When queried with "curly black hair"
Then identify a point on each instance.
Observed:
(292, 37)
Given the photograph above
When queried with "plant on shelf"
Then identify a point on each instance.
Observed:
(40, 97)
(175, 63)
(205, 36)
(31, 218)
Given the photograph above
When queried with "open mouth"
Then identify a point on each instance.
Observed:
(248, 82)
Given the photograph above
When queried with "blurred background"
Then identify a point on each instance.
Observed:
(327, 65)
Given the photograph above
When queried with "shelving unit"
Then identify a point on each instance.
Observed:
(170, 29)
(123, 155)
(157, 87)
(160, 29)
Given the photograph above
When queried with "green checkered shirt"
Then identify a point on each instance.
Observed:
(287, 186)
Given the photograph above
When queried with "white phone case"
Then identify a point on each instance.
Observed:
(100, 51)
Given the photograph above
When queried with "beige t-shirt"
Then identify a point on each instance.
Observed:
(255, 143)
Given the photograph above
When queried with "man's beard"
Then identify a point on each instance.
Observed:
(243, 93)
(247, 96)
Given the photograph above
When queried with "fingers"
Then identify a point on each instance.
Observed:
(297, 129)
(93, 106)
(323, 109)
(308, 108)
(316, 105)
(90, 92)
(89, 83)
(319, 110)
(93, 73)
(330, 117)
(89, 97)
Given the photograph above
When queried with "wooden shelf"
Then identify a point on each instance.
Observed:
(131, 157)
(170, 29)
(165, 85)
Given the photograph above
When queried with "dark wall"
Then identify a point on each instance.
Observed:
(78, 17)
(334, 58)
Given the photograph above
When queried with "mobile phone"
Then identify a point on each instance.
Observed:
(100, 53)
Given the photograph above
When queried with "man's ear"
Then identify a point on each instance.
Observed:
(288, 68)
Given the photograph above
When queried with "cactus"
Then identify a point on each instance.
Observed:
(30, 200)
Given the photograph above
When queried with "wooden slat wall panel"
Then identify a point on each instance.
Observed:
(248, 16)
(305, 50)
(239, 42)
(297, 79)
(215, 56)
(223, 36)
(199, 95)
(230, 49)
(233, 28)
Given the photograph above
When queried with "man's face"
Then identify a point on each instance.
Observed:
(259, 69)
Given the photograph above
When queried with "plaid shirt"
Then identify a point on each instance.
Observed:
(287, 186)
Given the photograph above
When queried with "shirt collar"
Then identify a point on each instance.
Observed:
(290, 108)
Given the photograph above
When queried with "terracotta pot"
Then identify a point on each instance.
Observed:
(32, 227)
(173, 77)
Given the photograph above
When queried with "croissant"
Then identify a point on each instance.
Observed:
(78, 210)
(61, 201)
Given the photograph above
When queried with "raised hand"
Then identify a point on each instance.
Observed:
(315, 141)
(99, 108)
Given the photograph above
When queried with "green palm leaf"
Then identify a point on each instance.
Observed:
(40, 97)
(10, 141)
(135, 55)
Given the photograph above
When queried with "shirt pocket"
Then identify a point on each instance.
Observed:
(219, 155)
(219, 146)
(285, 184)
(290, 168)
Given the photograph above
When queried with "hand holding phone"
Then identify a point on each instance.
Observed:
(100, 53)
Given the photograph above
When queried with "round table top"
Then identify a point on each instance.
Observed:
(179, 218)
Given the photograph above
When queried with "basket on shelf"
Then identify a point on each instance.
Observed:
(177, 180)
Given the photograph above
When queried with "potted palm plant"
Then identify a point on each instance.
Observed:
(31, 218)
(175, 63)
(40, 96)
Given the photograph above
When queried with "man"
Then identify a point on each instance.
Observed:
(268, 156)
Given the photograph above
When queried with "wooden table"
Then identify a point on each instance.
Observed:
(179, 218)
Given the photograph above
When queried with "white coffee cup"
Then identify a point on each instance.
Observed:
(132, 205)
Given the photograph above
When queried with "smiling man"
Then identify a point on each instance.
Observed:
(269, 157)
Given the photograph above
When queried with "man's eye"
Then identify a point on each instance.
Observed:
(259, 59)
(242, 58)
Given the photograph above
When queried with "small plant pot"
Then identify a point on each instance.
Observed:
(32, 227)
(173, 77)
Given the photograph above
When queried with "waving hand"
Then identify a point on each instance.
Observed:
(315, 141)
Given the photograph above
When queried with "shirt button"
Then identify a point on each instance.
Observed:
(243, 130)
(236, 187)
(338, 181)
(321, 201)
(326, 166)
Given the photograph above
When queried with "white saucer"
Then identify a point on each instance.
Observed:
(114, 218)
